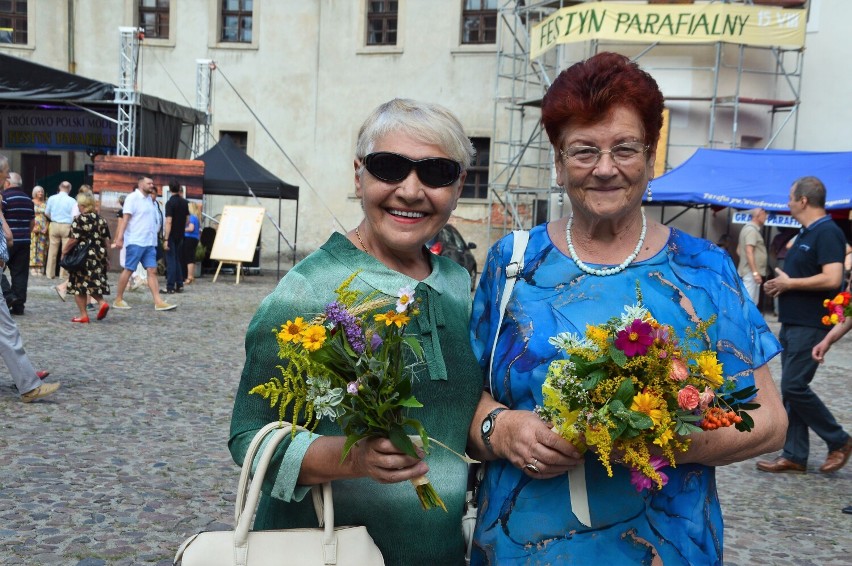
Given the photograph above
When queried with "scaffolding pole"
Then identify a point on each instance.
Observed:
(203, 102)
(126, 93)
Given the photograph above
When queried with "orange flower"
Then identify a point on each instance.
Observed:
(393, 317)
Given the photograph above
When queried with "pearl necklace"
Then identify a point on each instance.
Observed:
(610, 270)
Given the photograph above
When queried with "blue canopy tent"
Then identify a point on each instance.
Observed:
(750, 178)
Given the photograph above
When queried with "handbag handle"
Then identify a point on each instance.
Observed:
(247, 501)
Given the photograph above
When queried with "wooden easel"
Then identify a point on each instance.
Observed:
(239, 265)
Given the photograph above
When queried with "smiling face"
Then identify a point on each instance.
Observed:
(606, 191)
(402, 216)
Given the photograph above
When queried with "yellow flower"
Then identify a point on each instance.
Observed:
(597, 335)
(313, 338)
(710, 368)
(648, 404)
(664, 438)
(292, 330)
(392, 317)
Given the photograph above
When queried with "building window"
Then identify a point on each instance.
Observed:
(240, 139)
(236, 21)
(381, 22)
(13, 21)
(154, 18)
(476, 183)
(479, 21)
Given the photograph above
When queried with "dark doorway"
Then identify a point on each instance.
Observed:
(37, 166)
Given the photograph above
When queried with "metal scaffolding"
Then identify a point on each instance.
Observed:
(126, 93)
(203, 99)
(732, 79)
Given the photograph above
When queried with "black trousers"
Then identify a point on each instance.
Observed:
(19, 272)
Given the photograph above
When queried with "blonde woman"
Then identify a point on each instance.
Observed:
(89, 228)
(191, 237)
(38, 237)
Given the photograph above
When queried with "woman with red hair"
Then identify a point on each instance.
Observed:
(603, 118)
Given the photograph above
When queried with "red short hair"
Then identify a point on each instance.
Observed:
(587, 91)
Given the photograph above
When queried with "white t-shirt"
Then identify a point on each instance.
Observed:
(144, 223)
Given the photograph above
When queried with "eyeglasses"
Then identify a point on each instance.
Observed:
(588, 156)
(432, 171)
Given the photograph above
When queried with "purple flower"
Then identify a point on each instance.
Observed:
(352, 388)
(375, 341)
(640, 481)
(338, 315)
(635, 339)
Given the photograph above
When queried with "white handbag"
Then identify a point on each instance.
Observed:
(327, 545)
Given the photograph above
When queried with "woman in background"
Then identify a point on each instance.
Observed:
(191, 236)
(90, 281)
(38, 238)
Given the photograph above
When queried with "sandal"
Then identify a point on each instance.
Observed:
(189, 280)
(83, 319)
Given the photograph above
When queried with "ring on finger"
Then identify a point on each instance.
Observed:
(532, 466)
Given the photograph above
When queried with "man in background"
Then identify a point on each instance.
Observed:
(60, 212)
(20, 214)
(177, 211)
(813, 271)
(751, 248)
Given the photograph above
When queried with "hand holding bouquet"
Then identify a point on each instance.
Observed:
(350, 364)
(631, 387)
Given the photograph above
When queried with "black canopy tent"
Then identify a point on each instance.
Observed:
(228, 170)
(159, 124)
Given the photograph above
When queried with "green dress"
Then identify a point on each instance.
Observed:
(449, 389)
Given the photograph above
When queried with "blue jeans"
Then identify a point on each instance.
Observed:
(804, 409)
(174, 268)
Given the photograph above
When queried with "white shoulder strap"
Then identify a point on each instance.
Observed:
(516, 265)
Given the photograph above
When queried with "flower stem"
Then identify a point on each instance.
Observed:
(427, 495)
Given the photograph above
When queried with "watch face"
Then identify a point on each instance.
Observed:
(487, 424)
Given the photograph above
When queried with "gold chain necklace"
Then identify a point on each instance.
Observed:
(360, 241)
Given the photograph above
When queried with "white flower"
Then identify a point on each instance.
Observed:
(567, 340)
(406, 298)
(631, 313)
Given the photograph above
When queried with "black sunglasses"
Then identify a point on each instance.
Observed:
(432, 171)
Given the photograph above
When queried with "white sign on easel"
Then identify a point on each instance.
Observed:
(236, 236)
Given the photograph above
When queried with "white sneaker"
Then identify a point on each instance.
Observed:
(136, 283)
(164, 307)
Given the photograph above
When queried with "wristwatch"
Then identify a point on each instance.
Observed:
(487, 426)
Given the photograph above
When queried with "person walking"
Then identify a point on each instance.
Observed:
(38, 237)
(751, 248)
(177, 212)
(28, 381)
(813, 272)
(59, 212)
(138, 229)
(19, 213)
(89, 228)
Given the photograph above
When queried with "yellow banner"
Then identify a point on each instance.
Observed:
(673, 23)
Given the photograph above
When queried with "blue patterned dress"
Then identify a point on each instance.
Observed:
(525, 521)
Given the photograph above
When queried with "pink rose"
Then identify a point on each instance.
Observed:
(688, 397)
(706, 398)
(678, 371)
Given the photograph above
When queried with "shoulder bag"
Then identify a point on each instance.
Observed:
(326, 545)
(513, 269)
(75, 259)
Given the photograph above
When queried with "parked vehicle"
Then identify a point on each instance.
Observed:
(450, 243)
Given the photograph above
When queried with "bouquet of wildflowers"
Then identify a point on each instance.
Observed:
(838, 309)
(630, 386)
(349, 364)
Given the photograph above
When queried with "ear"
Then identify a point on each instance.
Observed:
(460, 182)
(358, 190)
(652, 159)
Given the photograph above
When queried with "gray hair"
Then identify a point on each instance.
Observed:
(15, 179)
(812, 188)
(65, 187)
(429, 123)
(4, 163)
(38, 189)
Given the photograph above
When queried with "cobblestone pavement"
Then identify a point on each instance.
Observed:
(129, 457)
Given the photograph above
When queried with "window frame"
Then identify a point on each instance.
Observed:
(239, 137)
(156, 10)
(16, 17)
(384, 17)
(240, 14)
(481, 14)
(478, 174)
